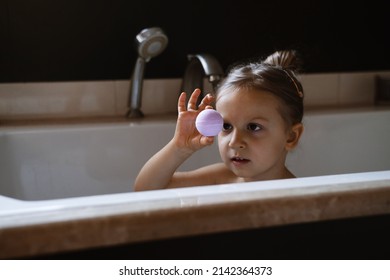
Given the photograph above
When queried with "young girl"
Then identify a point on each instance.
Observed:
(262, 107)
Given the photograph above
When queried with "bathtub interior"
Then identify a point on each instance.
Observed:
(82, 160)
(41, 163)
(342, 142)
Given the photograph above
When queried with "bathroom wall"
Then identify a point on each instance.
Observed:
(108, 98)
(68, 40)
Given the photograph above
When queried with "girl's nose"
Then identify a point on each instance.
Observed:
(237, 141)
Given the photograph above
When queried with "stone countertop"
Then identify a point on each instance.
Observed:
(154, 215)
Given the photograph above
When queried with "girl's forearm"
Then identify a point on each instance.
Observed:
(159, 169)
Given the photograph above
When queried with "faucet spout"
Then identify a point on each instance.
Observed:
(200, 66)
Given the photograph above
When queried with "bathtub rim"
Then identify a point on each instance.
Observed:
(19, 213)
(314, 200)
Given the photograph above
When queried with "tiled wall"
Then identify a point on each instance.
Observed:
(341, 89)
(109, 98)
(83, 99)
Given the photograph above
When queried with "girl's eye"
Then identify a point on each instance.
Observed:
(254, 127)
(226, 126)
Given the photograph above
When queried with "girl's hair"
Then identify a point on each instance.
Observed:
(277, 75)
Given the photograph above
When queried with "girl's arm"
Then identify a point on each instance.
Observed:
(159, 171)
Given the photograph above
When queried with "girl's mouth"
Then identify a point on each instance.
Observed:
(239, 160)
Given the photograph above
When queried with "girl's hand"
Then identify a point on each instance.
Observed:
(187, 136)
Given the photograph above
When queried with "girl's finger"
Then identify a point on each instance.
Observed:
(193, 99)
(181, 104)
(206, 101)
(207, 140)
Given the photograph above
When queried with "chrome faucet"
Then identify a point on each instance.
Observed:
(150, 42)
(200, 66)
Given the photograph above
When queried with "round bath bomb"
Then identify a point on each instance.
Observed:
(209, 122)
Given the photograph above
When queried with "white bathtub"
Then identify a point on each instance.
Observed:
(40, 163)
(56, 174)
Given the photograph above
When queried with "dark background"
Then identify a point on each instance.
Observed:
(57, 40)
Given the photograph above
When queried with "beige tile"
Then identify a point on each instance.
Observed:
(57, 99)
(122, 88)
(357, 88)
(94, 98)
(320, 89)
(158, 96)
(22, 99)
(110, 98)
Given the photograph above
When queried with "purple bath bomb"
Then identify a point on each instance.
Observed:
(209, 122)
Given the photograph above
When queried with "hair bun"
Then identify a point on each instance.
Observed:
(287, 59)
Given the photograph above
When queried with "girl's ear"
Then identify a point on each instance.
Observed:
(294, 136)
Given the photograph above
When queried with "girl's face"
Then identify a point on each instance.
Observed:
(254, 141)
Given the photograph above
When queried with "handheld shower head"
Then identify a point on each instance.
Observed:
(150, 42)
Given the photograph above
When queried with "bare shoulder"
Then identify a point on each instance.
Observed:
(208, 175)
